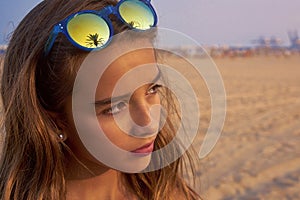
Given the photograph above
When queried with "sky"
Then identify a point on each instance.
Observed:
(209, 22)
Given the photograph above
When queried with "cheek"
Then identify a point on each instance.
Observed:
(108, 126)
(157, 99)
(112, 131)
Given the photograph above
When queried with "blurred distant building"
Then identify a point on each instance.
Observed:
(294, 39)
(275, 43)
(3, 49)
(262, 41)
(187, 50)
(266, 42)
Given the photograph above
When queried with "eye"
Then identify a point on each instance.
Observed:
(154, 89)
(115, 109)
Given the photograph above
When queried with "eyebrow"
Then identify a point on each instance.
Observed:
(110, 100)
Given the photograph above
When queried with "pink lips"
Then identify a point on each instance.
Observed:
(146, 149)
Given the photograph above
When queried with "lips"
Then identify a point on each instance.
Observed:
(146, 149)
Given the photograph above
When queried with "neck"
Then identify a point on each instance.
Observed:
(93, 181)
(104, 186)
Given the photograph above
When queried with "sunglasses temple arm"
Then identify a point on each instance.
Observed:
(51, 39)
(106, 11)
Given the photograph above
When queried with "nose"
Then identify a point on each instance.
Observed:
(140, 113)
(145, 116)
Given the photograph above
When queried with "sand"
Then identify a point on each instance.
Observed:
(258, 153)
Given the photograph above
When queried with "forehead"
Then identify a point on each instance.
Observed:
(128, 71)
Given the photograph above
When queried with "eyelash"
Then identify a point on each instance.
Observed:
(108, 112)
(155, 88)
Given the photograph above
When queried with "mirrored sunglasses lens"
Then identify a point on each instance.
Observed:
(89, 30)
(137, 14)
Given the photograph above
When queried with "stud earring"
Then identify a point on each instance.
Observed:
(61, 137)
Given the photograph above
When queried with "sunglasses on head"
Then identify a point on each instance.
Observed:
(89, 29)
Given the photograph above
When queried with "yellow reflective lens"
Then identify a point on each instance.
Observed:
(137, 14)
(88, 30)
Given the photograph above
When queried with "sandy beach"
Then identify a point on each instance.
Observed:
(258, 153)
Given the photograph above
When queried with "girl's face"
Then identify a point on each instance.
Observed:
(127, 107)
(127, 99)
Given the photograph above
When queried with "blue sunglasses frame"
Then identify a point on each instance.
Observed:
(61, 27)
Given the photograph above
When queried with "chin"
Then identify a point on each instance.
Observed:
(134, 163)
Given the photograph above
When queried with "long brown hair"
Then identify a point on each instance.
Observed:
(32, 165)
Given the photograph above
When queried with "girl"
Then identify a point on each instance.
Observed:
(44, 156)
